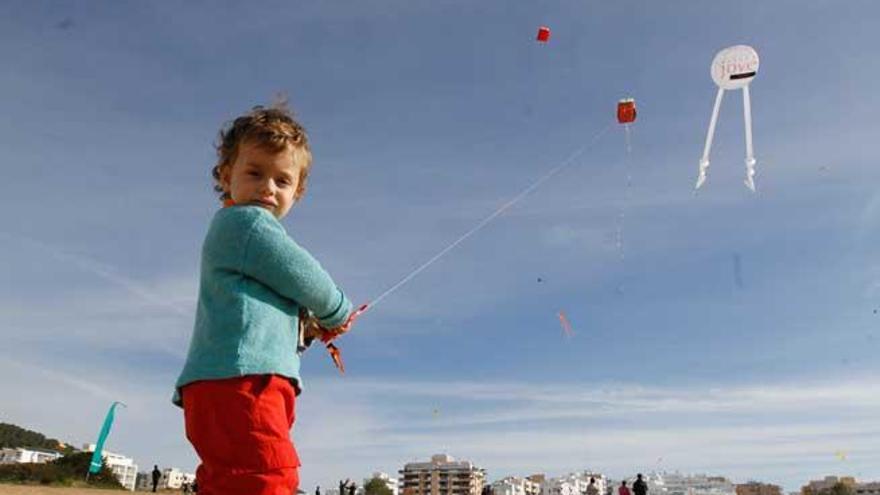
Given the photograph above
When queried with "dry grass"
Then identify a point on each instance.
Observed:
(43, 490)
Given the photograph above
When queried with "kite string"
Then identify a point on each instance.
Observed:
(525, 192)
(621, 217)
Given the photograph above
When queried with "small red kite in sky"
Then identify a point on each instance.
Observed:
(626, 111)
(566, 326)
(543, 34)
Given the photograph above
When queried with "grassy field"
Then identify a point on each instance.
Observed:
(42, 490)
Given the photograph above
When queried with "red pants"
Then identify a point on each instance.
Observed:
(240, 428)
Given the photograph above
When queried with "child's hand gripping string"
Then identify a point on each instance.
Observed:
(312, 329)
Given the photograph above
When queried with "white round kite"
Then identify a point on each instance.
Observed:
(733, 68)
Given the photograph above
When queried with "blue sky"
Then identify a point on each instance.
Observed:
(425, 117)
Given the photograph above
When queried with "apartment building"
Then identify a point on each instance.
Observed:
(756, 488)
(818, 486)
(20, 455)
(688, 484)
(442, 475)
(513, 485)
(123, 467)
(871, 488)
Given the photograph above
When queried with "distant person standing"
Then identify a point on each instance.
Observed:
(591, 488)
(157, 475)
(352, 488)
(623, 489)
(318, 490)
(640, 487)
(185, 487)
(342, 487)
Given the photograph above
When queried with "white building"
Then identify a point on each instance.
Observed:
(390, 482)
(559, 486)
(173, 479)
(442, 475)
(869, 488)
(694, 484)
(513, 485)
(144, 481)
(574, 484)
(123, 467)
(599, 481)
(21, 455)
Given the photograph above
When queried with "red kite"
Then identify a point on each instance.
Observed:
(543, 34)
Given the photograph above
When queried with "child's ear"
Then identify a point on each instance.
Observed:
(225, 177)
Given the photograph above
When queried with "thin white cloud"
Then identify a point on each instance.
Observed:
(869, 218)
(108, 274)
(15, 368)
(861, 391)
(100, 320)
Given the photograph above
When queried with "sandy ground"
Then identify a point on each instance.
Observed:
(41, 490)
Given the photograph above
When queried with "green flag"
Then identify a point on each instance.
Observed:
(95, 466)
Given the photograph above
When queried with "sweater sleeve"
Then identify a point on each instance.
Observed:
(274, 259)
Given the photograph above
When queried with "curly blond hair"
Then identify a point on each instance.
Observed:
(273, 128)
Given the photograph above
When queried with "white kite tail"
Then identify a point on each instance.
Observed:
(704, 161)
(750, 152)
(621, 216)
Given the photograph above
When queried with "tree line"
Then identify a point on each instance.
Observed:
(15, 436)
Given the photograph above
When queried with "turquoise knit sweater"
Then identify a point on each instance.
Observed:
(254, 278)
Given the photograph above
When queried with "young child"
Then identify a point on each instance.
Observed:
(239, 385)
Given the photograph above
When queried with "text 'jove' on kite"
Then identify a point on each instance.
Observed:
(733, 68)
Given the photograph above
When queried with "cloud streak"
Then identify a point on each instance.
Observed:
(108, 274)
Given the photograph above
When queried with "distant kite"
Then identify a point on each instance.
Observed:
(626, 111)
(566, 326)
(543, 34)
(733, 68)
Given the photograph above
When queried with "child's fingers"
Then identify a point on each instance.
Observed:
(350, 321)
(329, 334)
(339, 330)
(313, 331)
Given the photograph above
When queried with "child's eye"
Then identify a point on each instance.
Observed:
(253, 173)
(284, 182)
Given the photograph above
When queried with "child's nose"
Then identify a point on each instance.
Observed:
(268, 186)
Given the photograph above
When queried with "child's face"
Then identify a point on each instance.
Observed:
(263, 178)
